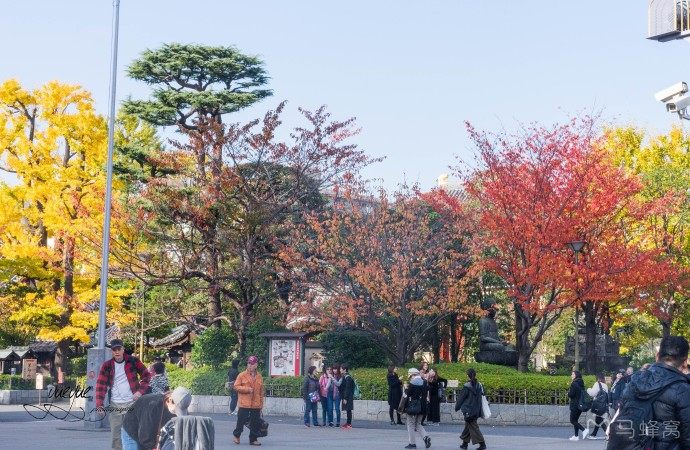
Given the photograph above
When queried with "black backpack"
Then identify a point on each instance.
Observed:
(626, 428)
(600, 404)
(585, 403)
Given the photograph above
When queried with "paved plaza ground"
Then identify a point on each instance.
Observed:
(20, 431)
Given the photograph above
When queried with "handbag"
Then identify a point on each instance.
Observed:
(263, 428)
(229, 385)
(414, 406)
(486, 411)
(314, 397)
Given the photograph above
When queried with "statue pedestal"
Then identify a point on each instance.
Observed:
(495, 357)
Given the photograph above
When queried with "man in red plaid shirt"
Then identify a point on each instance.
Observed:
(127, 379)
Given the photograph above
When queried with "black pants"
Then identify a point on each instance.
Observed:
(390, 413)
(575, 420)
(598, 422)
(253, 416)
(349, 416)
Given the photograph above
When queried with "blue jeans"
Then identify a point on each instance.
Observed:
(324, 409)
(336, 407)
(312, 407)
(128, 443)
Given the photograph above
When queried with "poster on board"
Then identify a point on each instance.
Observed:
(285, 357)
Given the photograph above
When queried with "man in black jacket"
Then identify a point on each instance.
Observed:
(670, 426)
(233, 372)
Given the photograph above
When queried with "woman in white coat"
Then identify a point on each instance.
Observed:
(600, 405)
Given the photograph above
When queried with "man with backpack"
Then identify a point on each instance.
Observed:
(655, 407)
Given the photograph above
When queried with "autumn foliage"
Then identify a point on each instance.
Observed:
(389, 265)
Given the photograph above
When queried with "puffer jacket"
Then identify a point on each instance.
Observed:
(673, 405)
(575, 393)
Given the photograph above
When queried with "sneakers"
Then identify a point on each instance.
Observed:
(257, 443)
(464, 445)
(307, 425)
(410, 446)
(574, 438)
(427, 441)
(595, 438)
(330, 424)
(392, 422)
(347, 426)
(585, 433)
(482, 446)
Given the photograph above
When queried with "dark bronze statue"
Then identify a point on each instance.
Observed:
(493, 349)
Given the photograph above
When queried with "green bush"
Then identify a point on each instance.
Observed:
(76, 366)
(502, 384)
(355, 348)
(212, 347)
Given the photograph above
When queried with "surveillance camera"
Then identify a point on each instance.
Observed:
(678, 103)
(671, 91)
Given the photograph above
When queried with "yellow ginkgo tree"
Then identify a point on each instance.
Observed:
(53, 146)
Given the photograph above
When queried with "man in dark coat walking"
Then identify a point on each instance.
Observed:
(665, 382)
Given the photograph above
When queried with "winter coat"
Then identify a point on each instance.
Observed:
(418, 388)
(309, 385)
(347, 392)
(145, 418)
(325, 383)
(470, 400)
(394, 390)
(247, 399)
(673, 405)
(575, 393)
(617, 390)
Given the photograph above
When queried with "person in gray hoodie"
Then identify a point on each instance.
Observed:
(416, 393)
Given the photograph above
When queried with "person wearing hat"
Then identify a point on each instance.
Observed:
(145, 420)
(127, 379)
(416, 392)
(250, 391)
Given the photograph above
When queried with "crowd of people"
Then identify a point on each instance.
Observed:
(647, 408)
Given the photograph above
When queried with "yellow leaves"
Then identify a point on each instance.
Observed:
(54, 141)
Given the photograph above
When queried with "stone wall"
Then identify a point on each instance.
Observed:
(21, 397)
(502, 414)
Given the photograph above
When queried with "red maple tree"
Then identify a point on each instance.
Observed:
(534, 193)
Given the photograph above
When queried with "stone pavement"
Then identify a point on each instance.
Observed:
(19, 431)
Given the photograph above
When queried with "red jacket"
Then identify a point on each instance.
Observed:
(133, 368)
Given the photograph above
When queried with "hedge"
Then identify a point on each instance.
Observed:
(20, 384)
(502, 384)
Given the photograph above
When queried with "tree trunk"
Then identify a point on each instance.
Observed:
(214, 298)
(522, 330)
(590, 337)
(665, 328)
(436, 343)
(242, 327)
(453, 338)
(61, 355)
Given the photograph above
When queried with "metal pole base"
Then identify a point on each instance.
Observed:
(94, 360)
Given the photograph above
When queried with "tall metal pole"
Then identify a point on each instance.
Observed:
(109, 179)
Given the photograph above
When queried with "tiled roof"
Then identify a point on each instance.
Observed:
(178, 335)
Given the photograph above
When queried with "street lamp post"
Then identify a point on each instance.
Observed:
(576, 247)
(96, 356)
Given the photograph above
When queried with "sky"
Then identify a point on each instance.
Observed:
(411, 72)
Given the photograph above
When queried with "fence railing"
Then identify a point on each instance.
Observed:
(498, 396)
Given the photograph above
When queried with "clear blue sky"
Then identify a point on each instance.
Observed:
(411, 72)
